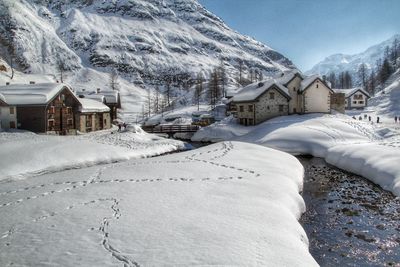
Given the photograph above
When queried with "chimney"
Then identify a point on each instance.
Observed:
(7, 83)
(98, 90)
(31, 82)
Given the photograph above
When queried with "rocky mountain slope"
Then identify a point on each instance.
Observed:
(146, 41)
(340, 62)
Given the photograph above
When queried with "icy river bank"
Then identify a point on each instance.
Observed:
(349, 220)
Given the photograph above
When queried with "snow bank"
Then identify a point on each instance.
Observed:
(208, 207)
(25, 153)
(355, 146)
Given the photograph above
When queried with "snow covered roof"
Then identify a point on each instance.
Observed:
(308, 80)
(351, 91)
(2, 100)
(288, 76)
(111, 97)
(90, 106)
(31, 94)
(255, 90)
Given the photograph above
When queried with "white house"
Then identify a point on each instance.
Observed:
(288, 93)
(8, 115)
(356, 98)
(93, 115)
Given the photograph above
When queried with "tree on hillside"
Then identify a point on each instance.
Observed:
(332, 79)
(222, 76)
(371, 83)
(240, 78)
(156, 100)
(348, 80)
(385, 71)
(61, 68)
(362, 74)
(198, 90)
(114, 84)
(214, 90)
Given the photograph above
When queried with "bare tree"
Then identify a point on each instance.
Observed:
(156, 100)
(114, 84)
(198, 90)
(61, 68)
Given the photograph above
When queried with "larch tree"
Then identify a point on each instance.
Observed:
(198, 90)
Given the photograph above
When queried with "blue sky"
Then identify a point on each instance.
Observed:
(307, 31)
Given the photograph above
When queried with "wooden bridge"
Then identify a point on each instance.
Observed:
(171, 129)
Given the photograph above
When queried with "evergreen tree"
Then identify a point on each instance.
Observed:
(385, 71)
(362, 74)
(332, 79)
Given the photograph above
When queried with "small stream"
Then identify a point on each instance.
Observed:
(349, 221)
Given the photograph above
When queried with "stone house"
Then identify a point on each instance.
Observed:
(355, 98)
(110, 98)
(302, 95)
(8, 115)
(93, 115)
(261, 101)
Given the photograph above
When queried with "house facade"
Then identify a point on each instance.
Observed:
(109, 98)
(8, 115)
(261, 101)
(93, 116)
(43, 108)
(292, 93)
(355, 98)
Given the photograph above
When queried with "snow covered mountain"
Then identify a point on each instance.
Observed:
(340, 62)
(147, 41)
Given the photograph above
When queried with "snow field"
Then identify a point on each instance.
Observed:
(211, 206)
(352, 145)
(25, 154)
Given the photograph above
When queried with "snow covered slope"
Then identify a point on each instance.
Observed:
(387, 102)
(147, 41)
(340, 62)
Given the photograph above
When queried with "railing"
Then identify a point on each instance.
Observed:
(168, 129)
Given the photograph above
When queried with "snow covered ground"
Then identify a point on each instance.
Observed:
(212, 206)
(368, 149)
(24, 153)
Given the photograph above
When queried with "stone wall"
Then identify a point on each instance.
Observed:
(267, 108)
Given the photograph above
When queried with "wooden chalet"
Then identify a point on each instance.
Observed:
(110, 98)
(43, 108)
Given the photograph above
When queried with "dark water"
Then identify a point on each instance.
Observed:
(349, 221)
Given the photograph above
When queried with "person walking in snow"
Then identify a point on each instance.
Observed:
(360, 118)
(369, 118)
(119, 127)
(395, 119)
(377, 119)
(365, 116)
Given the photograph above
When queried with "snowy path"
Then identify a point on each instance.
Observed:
(226, 204)
(369, 150)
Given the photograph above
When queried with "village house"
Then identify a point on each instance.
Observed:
(288, 93)
(8, 115)
(93, 115)
(43, 108)
(258, 102)
(355, 98)
(110, 98)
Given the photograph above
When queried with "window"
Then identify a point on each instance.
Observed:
(69, 110)
(280, 108)
(358, 96)
(317, 85)
(12, 110)
(294, 89)
(12, 124)
(354, 102)
(267, 107)
(360, 102)
(241, 108)
(70, 122)
(241, 121)
(250, 108)
(88, 121)
(50, 124)
(51, 110)
(271, 95)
